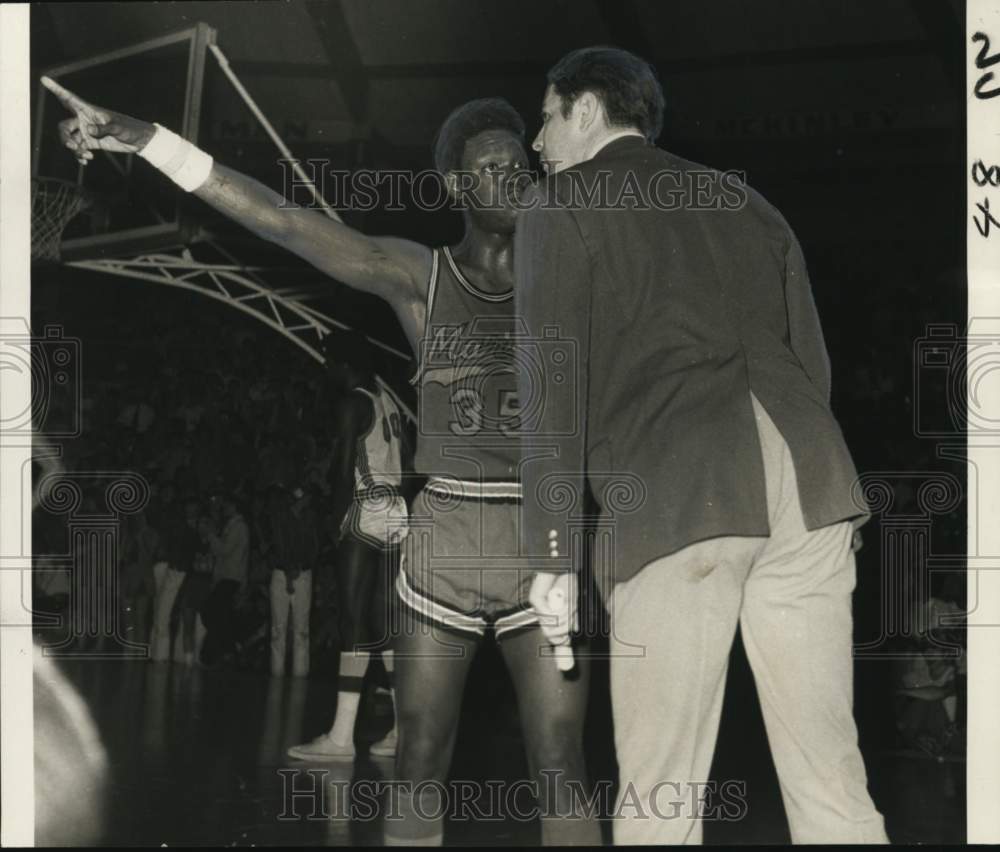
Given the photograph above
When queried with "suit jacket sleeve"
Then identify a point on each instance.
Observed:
(553, 300)
(803, 320)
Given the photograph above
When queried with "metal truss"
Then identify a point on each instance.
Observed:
(240, 287)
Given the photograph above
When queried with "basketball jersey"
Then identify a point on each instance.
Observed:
(379, 457)
(378, 514)
(467, 383)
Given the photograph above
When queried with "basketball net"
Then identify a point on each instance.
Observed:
(53, 203)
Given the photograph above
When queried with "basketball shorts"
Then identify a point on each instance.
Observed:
(378, 517)
(460, 568)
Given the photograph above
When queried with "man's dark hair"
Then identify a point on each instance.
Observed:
(468, 120)
(626, 85)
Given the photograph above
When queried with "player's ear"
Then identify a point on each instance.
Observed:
(589, 108)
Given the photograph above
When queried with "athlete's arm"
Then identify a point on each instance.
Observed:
(397, 270)
(353, 417)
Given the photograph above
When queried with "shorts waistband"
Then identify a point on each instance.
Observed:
(504, 492)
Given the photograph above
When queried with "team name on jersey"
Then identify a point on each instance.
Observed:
(461, 342)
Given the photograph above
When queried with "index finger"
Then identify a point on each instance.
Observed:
(66, 97)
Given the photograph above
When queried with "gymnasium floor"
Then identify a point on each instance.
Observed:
(198, 758)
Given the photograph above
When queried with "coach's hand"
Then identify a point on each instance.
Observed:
(93, 128)
(558, 620)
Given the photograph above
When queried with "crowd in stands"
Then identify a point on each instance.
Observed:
(234, 442)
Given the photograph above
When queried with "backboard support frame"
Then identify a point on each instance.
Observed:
(146, 237)
(238, 287)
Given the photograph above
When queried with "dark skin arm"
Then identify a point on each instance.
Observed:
(394, 269)
(352, 418)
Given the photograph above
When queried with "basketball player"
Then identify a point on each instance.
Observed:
(367, 465)
(458, 302)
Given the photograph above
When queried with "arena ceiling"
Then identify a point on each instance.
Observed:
(389, 70)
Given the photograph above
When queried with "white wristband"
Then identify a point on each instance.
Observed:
(185, 164)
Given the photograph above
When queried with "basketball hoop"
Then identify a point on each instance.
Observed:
(53, 203)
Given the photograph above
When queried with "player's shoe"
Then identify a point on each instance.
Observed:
(385, 747)
(322, 749)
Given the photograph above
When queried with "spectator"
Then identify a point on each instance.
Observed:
(178, 548)
(929, 673)
(139, 549)
(194, 593)
(295, 548)
(231, 549)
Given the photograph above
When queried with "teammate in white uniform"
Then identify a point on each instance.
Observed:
(367, 468)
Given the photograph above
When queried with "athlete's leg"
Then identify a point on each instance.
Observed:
(386, 747)
(431, 669)
(382, 599)
(553, 709)
(383, 614)
(356, 574)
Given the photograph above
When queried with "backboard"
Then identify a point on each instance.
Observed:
(134, 208)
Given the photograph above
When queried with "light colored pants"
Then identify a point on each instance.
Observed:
(168, 584)
(300, 602)
(183, 654)
(673, 626)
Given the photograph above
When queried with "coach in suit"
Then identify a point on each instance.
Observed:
(701, 370)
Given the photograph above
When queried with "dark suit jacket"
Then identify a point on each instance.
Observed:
(676, 316)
